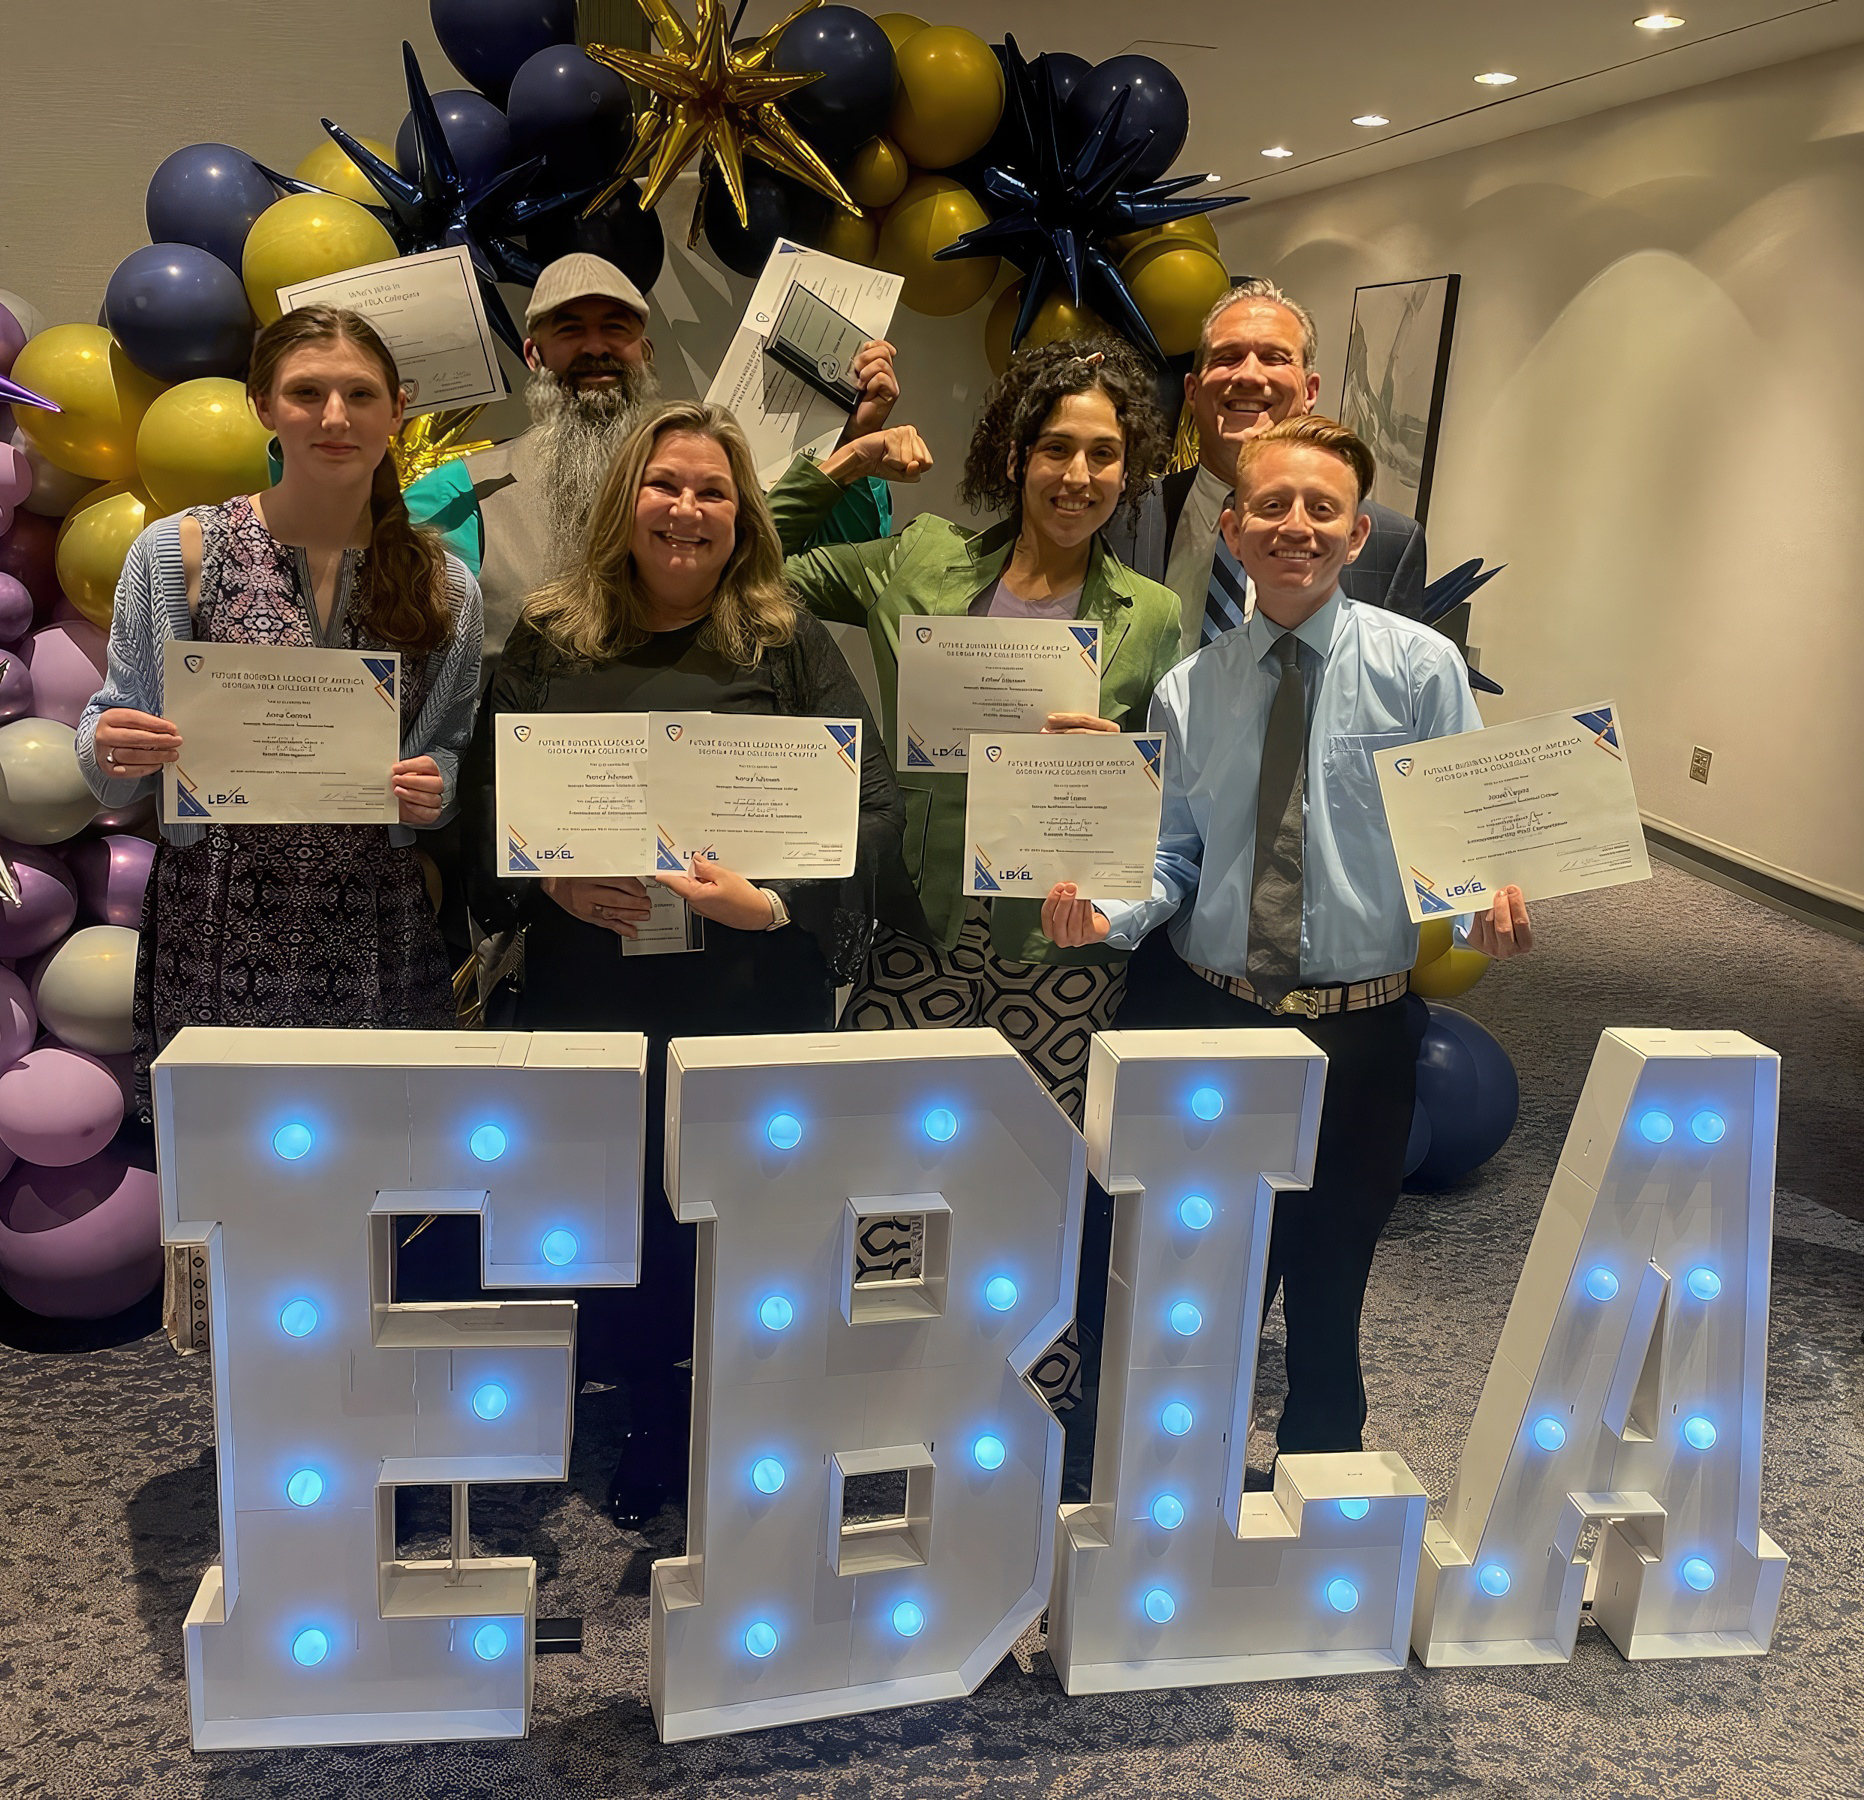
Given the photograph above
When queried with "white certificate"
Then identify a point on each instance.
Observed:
(780, 412)
(430, 313)
(1078, 806)
(572, 797)
(1544, 804)
(281, 737)
(996, 676)
(769, 797)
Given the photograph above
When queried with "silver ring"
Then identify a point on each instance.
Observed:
(110, 758)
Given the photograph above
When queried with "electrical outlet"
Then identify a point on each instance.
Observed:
(1699, 760)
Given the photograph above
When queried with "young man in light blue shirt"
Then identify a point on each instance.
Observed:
(1276, 882)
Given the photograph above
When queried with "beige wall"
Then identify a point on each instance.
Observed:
(1655, 417)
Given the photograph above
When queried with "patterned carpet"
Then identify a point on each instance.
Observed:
(109, 1512)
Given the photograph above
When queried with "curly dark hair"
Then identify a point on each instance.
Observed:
(1021, 399)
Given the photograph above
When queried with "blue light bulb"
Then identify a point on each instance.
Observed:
(1000, 1293)
(1549, 1434)
(785, 1130)
(292, 1141)
(298, 1319)
(560, 1247)
(1698, 1433)
(776, 1313)
(988, 1452)
(490, 1401)
(766, 1475)
(1355, 1509)
(1656, 1127)
(1207, 1103)
(1601, 1284)
(487, 1143)
(1709, 1127)
(1494, 1581)
(1705, 1284)
(305, 1488)
(941, 1124)
(908, 1620)
(1196, 1211)
(1186, 1320)
(1176, 1418)
(1168, 1512)
(1160, 1606)
(1342, 1596)
(1699, 1573)
(761, 1639)
(310, 1647)
(490, 1642)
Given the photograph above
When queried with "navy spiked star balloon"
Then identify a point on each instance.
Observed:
(1054, 213)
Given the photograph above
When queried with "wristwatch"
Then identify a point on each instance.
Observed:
(779, 913)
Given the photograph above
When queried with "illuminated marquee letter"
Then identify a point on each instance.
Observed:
(1172, 1575)
(288, 1154)
(1624, 1404)
(873, 1486)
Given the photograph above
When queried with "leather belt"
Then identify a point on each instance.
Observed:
(1314, 1002)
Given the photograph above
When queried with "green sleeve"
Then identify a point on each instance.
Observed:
(835, 579)
(864, 514)
(443, 498)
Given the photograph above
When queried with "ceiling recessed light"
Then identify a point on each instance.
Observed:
(1278, 150)
(1659, 22)
(1495, 78)
(1372, 119)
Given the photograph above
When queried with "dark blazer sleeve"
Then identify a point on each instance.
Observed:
(1390, 570)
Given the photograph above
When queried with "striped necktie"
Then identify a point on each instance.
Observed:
(1226, 600)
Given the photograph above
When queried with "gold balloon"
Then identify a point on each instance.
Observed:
(935, 211)
(93, 543)
(1056, 318)
(200, 443)
(1174, 283)
(1197, 229)
(878, 174)
(103, 396)
(899, 27)
(1435, 938)
(329, 167)
(1453, 973)
(950, 96)
(303, 236)
(854, 237)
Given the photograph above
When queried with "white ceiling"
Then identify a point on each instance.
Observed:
(1296, 72)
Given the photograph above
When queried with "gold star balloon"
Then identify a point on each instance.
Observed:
(423, 444)
(709, 98)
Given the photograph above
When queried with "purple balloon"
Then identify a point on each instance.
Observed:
(15, 686)
(136, 817)
(48, 901)
(15, 609)
(15, 474)
(58, 1106)
(111, 873)
(67, 661)
(19, 1019)
(12, 339)
(81, 1242)
(207, 195)
(29, 553)
(476, 132)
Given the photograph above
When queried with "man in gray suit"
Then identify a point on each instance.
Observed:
(1254, 368)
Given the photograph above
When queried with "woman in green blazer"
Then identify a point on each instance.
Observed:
(1069, 433)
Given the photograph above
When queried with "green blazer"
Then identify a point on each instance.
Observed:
(936, 567)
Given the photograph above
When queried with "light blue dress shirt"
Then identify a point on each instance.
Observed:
(1386, 680)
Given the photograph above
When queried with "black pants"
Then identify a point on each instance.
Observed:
(1321, 1244)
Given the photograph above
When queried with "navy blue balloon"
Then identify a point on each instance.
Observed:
(851, 102)
(476, 131)
(1065, 70)
(775, 207)
(1468, 1086)
(1156, 104)
(489, 41)
(572, 112)
(618, 230)
(207, 195)
(179, 313)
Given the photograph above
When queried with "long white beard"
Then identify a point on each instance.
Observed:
(577, 433)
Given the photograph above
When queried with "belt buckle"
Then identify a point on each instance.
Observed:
(1300, 1000)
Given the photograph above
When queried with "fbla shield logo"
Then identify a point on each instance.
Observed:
(992, 752)
(194, 664)
(923, 633)
(1405, 764)
(522, 733)
(675, 732)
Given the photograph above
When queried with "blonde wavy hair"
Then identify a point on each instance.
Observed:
(595, 611)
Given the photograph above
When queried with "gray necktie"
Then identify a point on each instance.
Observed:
(1275, 890)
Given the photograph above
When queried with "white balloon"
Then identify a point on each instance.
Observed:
(87, 988)
(29, 316)
(55, 491)
(44, 797)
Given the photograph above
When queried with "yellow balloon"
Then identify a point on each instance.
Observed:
(102, 393)
(329, 167)
(1197, 229)
(93, 543)
(933, 212)
(1057, 317)
(949, 98)
(852, 237)
(1434, 939)
(200, 444)
(1174, 283)
(303, 236)
(878, 174)
(899, 26)
(1455, 972)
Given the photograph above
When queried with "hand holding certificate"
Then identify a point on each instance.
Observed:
(963, 675)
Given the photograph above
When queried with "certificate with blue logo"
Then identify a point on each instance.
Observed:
(572, 794)
(281, 737)
(964, 675)
(1080, 806)
(1545, 805)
